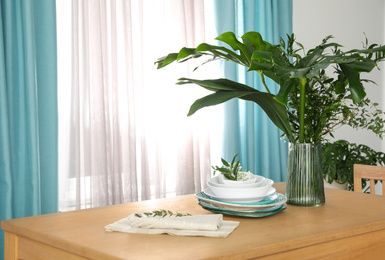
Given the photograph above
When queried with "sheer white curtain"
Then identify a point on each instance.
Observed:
(124, 135)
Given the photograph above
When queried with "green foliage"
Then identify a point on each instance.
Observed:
(163, 213)
(326, 111)
(366, 116)
(229, 170)
(309, 103)
(339, 157)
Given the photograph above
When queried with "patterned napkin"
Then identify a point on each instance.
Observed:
(211, 225)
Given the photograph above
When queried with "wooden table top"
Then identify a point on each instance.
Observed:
(82, 232)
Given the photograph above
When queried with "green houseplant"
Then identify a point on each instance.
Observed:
(339, 157)
(308, 104)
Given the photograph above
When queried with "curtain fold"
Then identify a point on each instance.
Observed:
(129, 136)
(247, 130)
(28, 109)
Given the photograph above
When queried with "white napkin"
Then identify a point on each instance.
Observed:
(211, 225)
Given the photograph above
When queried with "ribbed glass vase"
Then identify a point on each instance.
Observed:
(304, 184)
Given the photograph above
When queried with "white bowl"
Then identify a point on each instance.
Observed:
(241, 192)
(269, 192)
(216, 181)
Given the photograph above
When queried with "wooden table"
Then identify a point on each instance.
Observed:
(350, 225)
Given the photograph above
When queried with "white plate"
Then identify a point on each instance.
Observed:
(269, 202)
(240, 213)
(209, 192)
(209, 205)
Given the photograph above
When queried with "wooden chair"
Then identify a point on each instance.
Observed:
(370, 172)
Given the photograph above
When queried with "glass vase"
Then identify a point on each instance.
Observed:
(304, 184)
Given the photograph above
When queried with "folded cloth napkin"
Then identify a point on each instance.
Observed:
(211, 225)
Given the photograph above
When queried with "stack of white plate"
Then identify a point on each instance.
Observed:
(254, 189)
(253, 197)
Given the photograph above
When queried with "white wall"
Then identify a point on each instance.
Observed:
(347, 21)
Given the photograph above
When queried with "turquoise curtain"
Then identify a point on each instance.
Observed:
(247, 130)
(28, 109)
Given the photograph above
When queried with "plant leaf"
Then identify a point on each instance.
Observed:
(226, 89)
(261, 56)
(286, 86)
(259, 66)
(225, 163)
(311, 57)
(185, 53)
(355, 85)
(216, 98)
(163, 62)
(256, 41)
(274, 110)
(231, 39)
(217, 84)
(219, 51)
(362, 66)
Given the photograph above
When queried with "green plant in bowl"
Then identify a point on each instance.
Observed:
(231, 171)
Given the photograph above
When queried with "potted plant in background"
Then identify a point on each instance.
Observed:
(339, 157)
(308, 104)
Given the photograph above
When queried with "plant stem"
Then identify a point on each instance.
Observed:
(263, 81)
(302, 110)
(336, 124)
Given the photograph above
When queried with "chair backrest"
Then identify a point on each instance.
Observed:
(371, 173)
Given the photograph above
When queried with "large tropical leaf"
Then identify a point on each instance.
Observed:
(361, 65)
(231, 39)
(164, 61)
(226, 89)
(216, 98)
(204, 49)
(256, 41)
(286, 86)
(187, 53)
(218, 84)
(355, 85)
(221, 52)
(276, 111)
